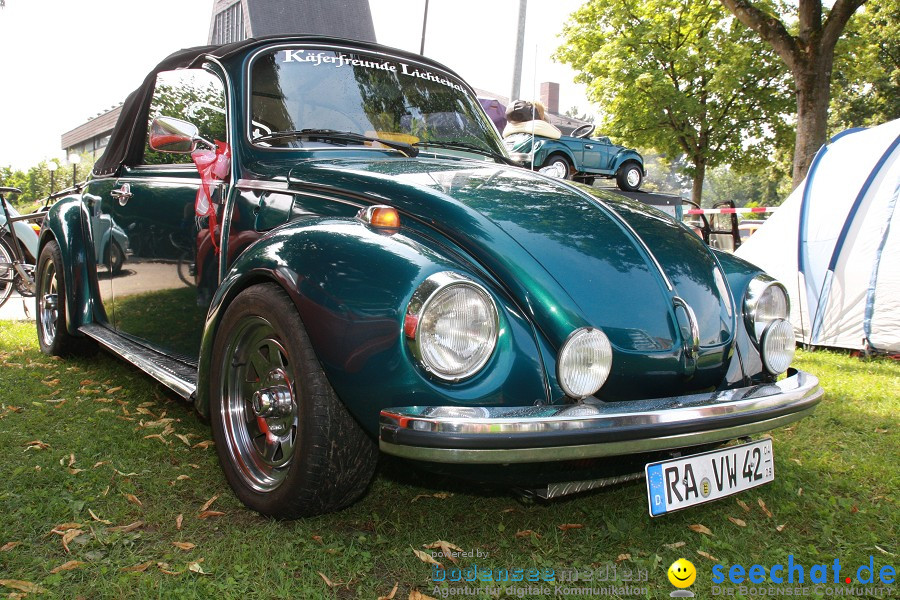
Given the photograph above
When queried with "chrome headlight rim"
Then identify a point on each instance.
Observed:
(425, 294)
(567, 347)
(755, 291)
(767, 354)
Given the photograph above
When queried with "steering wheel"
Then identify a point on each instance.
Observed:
(583, 131)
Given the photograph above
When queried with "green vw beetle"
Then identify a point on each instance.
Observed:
(329, 252)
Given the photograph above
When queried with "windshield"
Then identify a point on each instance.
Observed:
(298, 89)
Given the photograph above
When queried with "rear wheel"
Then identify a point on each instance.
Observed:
(50, 307)
(629, 176)
(287, 445)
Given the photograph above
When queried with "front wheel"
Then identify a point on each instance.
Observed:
(561, 163)
(287, 445)
(629, 176)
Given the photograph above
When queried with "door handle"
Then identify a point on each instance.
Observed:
(123, 194)
(588, 146)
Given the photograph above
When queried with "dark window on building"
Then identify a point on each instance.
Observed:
(229, 25)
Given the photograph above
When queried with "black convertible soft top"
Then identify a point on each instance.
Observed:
(126, 144)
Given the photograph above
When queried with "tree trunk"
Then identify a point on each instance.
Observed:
(699, 175)
(813, 93)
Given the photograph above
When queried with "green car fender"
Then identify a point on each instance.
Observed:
(624, 156)
(546, 147)
(351, 284)
(66, 224)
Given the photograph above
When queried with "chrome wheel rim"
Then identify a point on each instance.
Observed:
(259, 409)
(633, 177)
(49, 304)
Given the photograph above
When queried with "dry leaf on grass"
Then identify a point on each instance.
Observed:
(527, 533)
(883, 551)
(63, 527)
(390, 596)
(195, 567)
(114, 390)
(69, 536)
(66, 566)
(158, 437)
(568, 526)
(98, 519)
(209, 503)
(780, 528)
(426, 558)
(35, 445)
(126, 528)
(183, 438)
(164, 568)
(446, 548)
(133, 499)
(184, 545)
(700, 529)
(9, 546)
(206, 514)
(178, 521)
(204, 445)
(707, 555)
(327, 581)
(623, 557)
(417, 595)
(738, 522)
(22, 586)
(743, 504)
(182, 477)
(674, 546)
(318, 538)
(762, 505)
(138, 568)
(439, 496)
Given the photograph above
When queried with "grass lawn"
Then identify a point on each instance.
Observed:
(96, 451)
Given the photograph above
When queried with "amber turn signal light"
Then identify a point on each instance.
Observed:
(381, 216)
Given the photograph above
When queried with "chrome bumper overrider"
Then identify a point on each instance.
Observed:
(589, 429)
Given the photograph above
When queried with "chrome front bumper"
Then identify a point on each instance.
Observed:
(590, 429)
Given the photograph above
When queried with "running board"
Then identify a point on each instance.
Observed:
(174, 374)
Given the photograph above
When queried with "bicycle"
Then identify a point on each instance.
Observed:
(16, 273)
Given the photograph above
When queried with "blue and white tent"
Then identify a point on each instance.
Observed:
(834, 243)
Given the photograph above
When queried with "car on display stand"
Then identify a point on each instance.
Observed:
(332, 253)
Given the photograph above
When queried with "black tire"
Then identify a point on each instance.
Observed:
(559, 159)
(629, 176)
(585, 179)
(50, 307)
(116, 258)
(7, 273)
(309, 456)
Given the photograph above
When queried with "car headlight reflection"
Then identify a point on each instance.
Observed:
(452, 326)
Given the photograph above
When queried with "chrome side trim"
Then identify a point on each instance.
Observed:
(175, 375)
(529, 455)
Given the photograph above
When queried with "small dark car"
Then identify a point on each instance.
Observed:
(329, 251)
(580, 157)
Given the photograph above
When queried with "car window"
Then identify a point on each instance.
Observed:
(193, 95)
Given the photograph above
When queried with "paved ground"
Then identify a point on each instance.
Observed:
(14, 309)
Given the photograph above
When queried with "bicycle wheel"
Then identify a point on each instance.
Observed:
(7, 273)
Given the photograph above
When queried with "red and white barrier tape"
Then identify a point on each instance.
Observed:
(730, 211)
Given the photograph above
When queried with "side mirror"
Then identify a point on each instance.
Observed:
(168, 134)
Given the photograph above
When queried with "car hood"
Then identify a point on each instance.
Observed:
(569, 255)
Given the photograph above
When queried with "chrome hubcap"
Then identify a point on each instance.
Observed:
(633, 177)
(49, 305)
(259, 410)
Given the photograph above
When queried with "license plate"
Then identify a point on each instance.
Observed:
(682, 482)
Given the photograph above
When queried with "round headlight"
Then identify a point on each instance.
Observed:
(584, 362)
(778, 346)
(455, 325)
(766, 302)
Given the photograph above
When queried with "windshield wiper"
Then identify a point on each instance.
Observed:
(407, 149)
(455, 145)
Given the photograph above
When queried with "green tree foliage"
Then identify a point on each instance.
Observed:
(35, 181)
(866, 77)
(680, 76)
(805, 35)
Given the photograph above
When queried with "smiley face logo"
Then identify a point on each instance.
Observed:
(682, 573)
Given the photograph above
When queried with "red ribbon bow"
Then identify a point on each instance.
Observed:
(213, 167)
